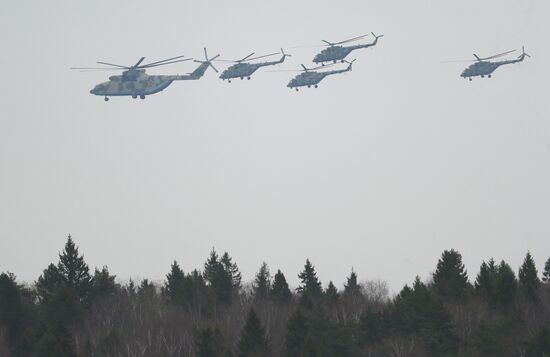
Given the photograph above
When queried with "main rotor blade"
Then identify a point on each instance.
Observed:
(214, 58)
(245, 57)
(96, 68)
(138, 62)
(255, 58)
(165, 63)
(214, 68)
(114, 65)
(166, 60)
(499, 55)
(351, 39)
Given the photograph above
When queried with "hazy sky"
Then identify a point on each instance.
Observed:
(380, 169)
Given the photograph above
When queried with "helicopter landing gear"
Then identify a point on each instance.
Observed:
(309, 86)
(316, 86)
(297, 89)
(482, 76)
(134, 96)
(489, 76)
(142, 97)
(248, 78)
(242, 78)
(470, 78)
(229, 80)
(106, 99)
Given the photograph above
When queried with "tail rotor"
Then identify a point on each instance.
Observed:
(209, 60)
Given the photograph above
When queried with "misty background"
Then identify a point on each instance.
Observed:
(380, 169)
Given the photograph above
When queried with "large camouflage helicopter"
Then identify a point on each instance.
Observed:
(242, 69)
(334, 52)
(483, 68)
(135, 82)
(310, 77)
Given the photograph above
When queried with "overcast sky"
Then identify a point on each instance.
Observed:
(380, 169)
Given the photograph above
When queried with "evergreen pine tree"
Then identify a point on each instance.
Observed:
(75, 272)
(262, 283)
(12, 309)
(506, 285)
(332, 293)
(253, 341)
(485, 284)
(310, 284)
(209, 343)
(280, 291)
(546, 272)
(528, 278)
(450, 278)
(146, 289)
(103, 284)
(352, 287)
(64, 291)
(233, 271)
(296, 335)
(219, 279)
(174, 286)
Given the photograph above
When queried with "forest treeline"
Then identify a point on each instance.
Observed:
(72, 311)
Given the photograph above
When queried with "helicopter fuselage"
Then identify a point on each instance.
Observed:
(310, 78)
(245, 70)
(486, 68)
(339, 53)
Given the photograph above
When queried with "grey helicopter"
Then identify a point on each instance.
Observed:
(135, 82)
(242, 69)
(334, 52)
(482, 67)
(310, 77)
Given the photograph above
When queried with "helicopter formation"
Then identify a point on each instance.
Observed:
(135, 82)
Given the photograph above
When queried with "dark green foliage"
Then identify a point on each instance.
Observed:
(309, 283)
(221, 280)
(253, 341)
(12, 309)
(539, 346)
(280, 291)
(546, 272)
(505, 286)
(262, 283)
(450, 278)
(495, 340)
(103, 284)
(332, 293)
(528, 278)
(174, 286)
(65, 290)
(352, 287)
(419, 312)
(296, 335)
(209, 343)
(485, 284)
(232, 270)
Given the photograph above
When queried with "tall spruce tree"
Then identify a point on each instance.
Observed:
(486, 281)
(309, 283)
(546, 272)
(528, 278)
(174, 286)
(331, 293)
(262, 283)
(233, 271)
(253, 341)
(64, 291)
(12, 309)
(450, 279)
(103, 284)
(219, 279)
(280, 292)
(506, 286)
(352, 287)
